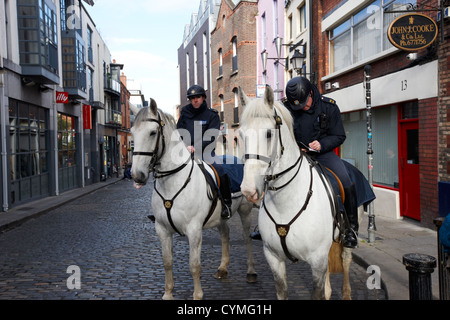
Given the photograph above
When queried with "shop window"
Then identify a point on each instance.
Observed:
(28, 151)
(384, 139)
(363, 35)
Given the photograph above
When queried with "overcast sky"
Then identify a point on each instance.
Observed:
(145, 35)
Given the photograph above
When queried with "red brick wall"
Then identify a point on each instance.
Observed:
(239, 22)
(428, 136)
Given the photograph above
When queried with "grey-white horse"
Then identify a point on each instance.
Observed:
(295, 218)
(182, 202)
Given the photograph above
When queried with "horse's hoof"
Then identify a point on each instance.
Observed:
(221, 274)
(252, 277)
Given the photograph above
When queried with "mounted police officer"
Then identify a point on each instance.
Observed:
(197, 119)
(319, 130)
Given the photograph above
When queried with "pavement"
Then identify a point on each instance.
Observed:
(393, 239)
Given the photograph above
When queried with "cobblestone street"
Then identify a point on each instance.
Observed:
(108, 236)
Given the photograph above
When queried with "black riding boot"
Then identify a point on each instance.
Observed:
(225, 195)
(351, 209)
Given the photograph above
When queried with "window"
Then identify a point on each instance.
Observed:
(363, 35)
(385, 143)
(222, 110)
(188, 82)
(205, 62)
(236, 105)
(301, 11)
(38, 34)
(275, 18)
(28, 151)
(220, 62)
(235, 61)
(290, 28)
(89, 44)
(67, 155)
(195, 64)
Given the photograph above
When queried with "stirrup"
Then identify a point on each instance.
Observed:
(226, 212)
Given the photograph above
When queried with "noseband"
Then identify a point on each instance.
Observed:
(154, 153)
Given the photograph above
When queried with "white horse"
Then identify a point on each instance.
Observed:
(182, 200)
(295, 217)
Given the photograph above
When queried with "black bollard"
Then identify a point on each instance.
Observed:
(420, 267)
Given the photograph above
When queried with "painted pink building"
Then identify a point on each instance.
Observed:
(270, 26)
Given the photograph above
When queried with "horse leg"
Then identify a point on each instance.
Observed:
(224, 231)
(167, 254)
(195, 245)
(346, 260)
(278, 268)
(319, 275)
(245, 214)
(328, 289)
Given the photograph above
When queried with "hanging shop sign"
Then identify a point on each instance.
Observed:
(412, 32)
(62, 97)
(87, 120)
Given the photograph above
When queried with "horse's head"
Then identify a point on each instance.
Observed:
(261, 130)
(148, 143)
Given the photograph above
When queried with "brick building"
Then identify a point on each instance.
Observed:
(233, 65)
(407, 109)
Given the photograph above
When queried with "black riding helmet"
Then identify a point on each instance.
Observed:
(196, 90)
(298, 90)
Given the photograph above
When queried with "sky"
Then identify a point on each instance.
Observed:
(144, 36)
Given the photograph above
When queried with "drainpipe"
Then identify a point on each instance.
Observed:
(4, 151)
(311, 51)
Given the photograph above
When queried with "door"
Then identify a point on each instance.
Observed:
(409, 170)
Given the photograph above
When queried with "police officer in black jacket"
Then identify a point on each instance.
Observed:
(319, 130)
(202, 125)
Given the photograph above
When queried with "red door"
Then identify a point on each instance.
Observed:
(409, 170)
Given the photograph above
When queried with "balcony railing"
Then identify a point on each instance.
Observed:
(112, 85)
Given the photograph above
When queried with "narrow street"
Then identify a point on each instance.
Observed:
(108, 236)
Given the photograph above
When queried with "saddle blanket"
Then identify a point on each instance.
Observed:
(364, 193)
(233, 167)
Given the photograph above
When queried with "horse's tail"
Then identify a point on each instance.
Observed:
(335, 260)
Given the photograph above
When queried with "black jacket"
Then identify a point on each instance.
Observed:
(200, 120)
(322, 122)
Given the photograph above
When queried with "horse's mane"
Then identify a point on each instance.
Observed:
(147, 113)
(254, 110)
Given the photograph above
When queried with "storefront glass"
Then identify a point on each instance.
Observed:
(28, 152)
(67, 143)
(384, 139)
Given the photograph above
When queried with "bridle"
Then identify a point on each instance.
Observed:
(268, 160)
(154, 154)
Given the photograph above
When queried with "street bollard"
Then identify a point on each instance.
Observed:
(420, 267)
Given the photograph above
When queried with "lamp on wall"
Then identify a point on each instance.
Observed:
(296, 60)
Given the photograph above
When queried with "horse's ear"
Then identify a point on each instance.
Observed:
(134, 109)
(153, 106)
(268, 96)
(243, 97)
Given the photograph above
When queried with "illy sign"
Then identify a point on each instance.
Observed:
(62, 97)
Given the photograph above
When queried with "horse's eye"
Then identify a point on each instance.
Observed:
(152, 133)
(269, 134)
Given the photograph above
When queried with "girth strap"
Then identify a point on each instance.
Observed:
(283, 229)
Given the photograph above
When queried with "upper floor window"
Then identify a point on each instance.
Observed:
(38, 34)
(363, 34)
(235, 62)
(301, 13)
(220, 62)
